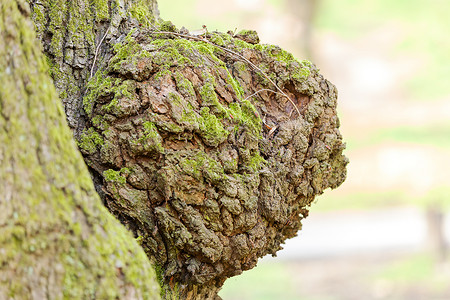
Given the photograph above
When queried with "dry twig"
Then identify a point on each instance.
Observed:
(96, 52)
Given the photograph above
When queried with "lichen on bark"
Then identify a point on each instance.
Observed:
(57, 240)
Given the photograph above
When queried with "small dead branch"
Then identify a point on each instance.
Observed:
(96, 53)
(263, 90)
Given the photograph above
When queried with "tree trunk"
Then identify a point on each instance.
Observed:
(305, 12)
(56, 238)
(436, 235)
(209, 148)
(77, 37)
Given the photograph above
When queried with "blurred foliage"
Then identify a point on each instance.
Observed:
(266, 282)
(365, 200)
(410, 269)
(189, 13)
(420, 269)
(425, 26)
(437, 135)
(361, 200)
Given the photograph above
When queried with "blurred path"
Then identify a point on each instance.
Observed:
(358, 232)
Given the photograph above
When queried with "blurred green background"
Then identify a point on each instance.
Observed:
(390, 61)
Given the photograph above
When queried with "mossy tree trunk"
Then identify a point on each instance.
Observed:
(209, 149)
(74, 34)
(57, 241)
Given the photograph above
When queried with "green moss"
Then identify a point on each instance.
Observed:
(174, 99)
(211, 129)
(140, 10)
(306, 63)
(256, 162)
(127, 52)
(161, 74)
(184, 86)
(120, 89)
(56, 15)
(209, 98)
(170, 127)
(217, 39)
(200, 164)
(279, 53)
(304, 67)
(190, 116)
(151, 138)
(115, 88)
(169, 56)
(246, 32)
(89, 140)
(209, 50)
(234, 84)
(192, 167)
(167, 26)
(240, 45)
(99, 84)
(116, 176)
(175, 56)
(99, 122)
(301, 75)
(241, 66)
(39, 19)
(245, 114)
(171, 53)
(101, 10)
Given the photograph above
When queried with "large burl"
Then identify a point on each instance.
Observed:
(202, 157)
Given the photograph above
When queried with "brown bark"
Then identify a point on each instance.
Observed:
(210, 151)
(207, 176)
(56, 239)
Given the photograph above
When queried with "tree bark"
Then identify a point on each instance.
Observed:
(210, 148)
(74, 33)
(57, 240)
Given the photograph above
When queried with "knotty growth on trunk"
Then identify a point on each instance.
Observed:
(209, 149)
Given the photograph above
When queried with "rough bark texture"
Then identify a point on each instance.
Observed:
(57, 241)
(190, 166)
(70, 32)
(207, 177)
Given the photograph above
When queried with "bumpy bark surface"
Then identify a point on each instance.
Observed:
(73, 32)
(206, 177)
(57, 241)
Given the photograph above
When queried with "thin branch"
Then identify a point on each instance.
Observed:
(96, 52)
(236, 54)
(263, 90)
